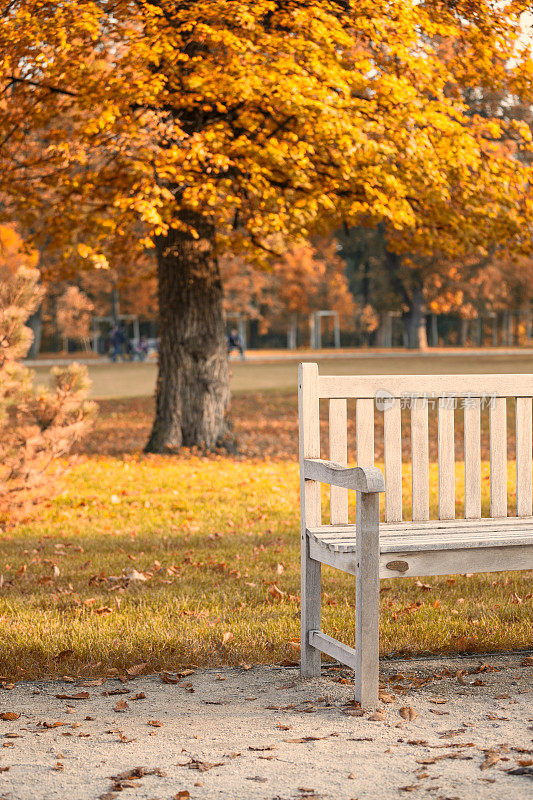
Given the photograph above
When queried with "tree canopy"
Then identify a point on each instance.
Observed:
(237, 125)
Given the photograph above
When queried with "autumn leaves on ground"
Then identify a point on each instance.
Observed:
(186, 561)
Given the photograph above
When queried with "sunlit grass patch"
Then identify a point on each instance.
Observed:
(172, 561)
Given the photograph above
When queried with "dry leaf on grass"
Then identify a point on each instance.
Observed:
(227, 637)
(408, 713)
(63, 654)
(136, 669)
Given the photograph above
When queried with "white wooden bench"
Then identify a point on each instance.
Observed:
(370, 550)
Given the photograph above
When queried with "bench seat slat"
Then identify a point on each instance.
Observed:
(420, 540)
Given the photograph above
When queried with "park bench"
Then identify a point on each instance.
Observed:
(371, 550)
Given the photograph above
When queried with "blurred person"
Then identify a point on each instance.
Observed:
(118, 339)
(235, 343)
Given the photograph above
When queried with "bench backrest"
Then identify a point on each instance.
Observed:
(391, 393)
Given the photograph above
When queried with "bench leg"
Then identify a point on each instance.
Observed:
(311, 612)
(367, 600)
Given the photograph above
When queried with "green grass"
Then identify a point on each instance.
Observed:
(216, 535)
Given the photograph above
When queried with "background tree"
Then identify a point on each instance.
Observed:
(74, 313)
(233, 126)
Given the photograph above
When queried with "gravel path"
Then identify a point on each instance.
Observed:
(264, 733)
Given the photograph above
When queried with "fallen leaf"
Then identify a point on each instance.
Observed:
(227, 637)
(408, 713)
(183, 795)
(201, 766)
(521, 771)
(9, 716)
(76, 696)
(263, 747)
(527, 661)
(155, 723)
(275, 592)
(377, 716)
(166, 677)
(63, 654)
(138, 696)
(136, 669)
(352, 776)
(138, 772)
(491, 758)
(386, 697)
(121, 706)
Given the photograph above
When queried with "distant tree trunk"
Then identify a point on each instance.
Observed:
(35, 322)
(415, 323)
(434, 331)
(384, 331)
(463, 331)
(192, 392)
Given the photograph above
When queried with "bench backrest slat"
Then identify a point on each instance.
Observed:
(523, 457)
(354, 386)
(393, 461)
(472, 442)
(446, 456)
(498, 457)
(420, 459)
(338, 452)
(364, 432)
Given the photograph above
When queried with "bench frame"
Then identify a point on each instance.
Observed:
(365, 561)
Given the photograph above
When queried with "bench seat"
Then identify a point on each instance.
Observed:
(437, 547)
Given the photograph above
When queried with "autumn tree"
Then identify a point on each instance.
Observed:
(235, 126)
(74, 314)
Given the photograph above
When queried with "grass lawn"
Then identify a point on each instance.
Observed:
(195, 560)
(124, 380)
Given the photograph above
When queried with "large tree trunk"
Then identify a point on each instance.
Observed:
(192, 393)
(415, 323)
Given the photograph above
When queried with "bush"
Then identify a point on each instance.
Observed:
(37, 425)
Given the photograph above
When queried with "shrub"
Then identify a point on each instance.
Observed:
(37, 425)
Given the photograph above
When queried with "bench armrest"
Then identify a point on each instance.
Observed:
(361, 479)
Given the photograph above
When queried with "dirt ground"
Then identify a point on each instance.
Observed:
(459, 729)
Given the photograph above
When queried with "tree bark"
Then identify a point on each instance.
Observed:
(192, 392)
(415, 323)
(35, 322)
